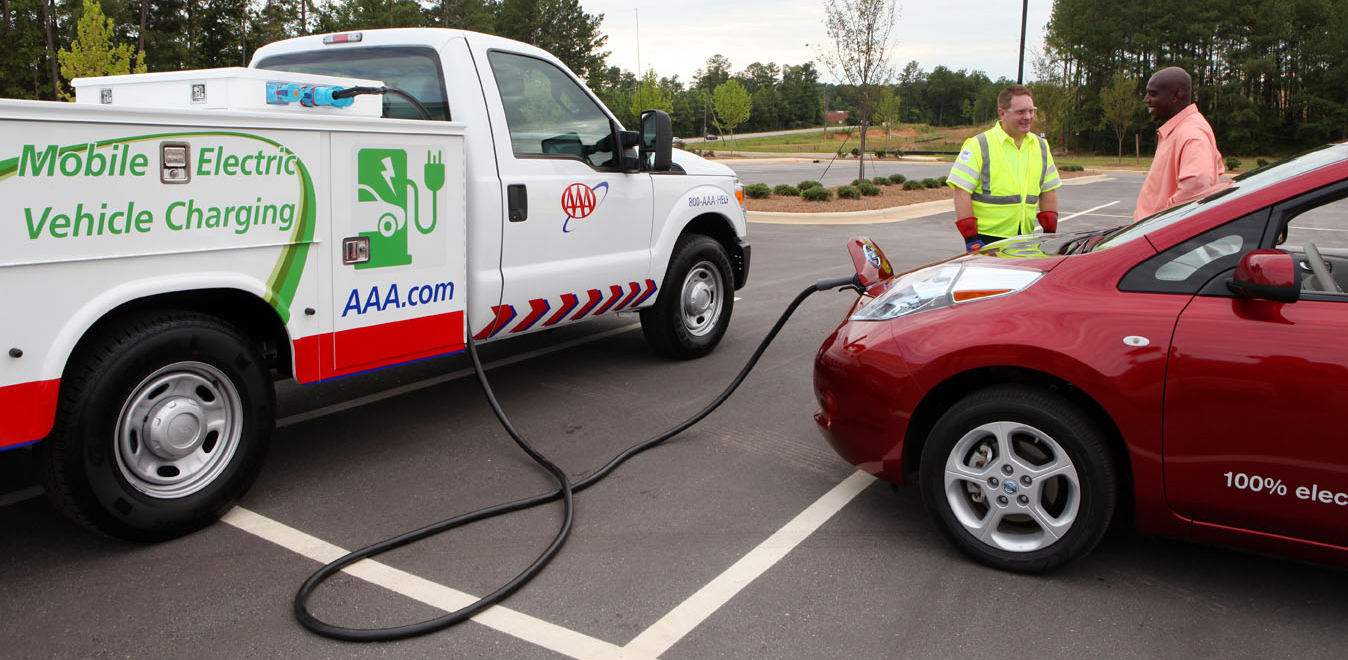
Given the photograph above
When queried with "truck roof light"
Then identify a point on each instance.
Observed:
(341, 38)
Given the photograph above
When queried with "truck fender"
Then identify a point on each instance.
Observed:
(77, 326)
(706, 209)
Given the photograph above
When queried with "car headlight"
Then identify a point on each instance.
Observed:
(945, 285)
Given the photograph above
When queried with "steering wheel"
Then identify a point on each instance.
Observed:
(1317, 264)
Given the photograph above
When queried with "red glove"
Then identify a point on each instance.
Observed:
(1049, 221)
(969, 230)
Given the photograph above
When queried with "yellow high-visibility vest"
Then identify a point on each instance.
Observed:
(1004, 180)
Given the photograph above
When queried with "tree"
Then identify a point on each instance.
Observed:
(93, 53)
(560, 27)
(860, 32)
(716, 73)
(475, 15)
(650, 97)
(732, 104)
(1119, 101)
(888, 111)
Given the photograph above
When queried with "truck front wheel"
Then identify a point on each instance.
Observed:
(161, 427)
(692, 312)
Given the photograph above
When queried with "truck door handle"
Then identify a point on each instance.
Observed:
(517, 198)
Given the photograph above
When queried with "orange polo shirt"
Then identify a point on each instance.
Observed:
(1187, 163)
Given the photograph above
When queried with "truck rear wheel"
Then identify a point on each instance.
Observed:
(161, 427)
(692, 312)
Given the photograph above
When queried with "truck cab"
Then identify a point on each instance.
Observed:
(564, 220)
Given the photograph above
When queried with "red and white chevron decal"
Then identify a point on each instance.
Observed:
(597, 302)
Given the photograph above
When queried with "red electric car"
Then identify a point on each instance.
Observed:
(1192, 367)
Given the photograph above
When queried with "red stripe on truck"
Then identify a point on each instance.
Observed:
(337, 354)
(29, 409)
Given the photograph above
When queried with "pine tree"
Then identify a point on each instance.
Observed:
(93, 53)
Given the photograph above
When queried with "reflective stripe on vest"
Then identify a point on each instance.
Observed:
(985, 178)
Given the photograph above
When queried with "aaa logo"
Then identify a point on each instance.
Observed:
(580, 200)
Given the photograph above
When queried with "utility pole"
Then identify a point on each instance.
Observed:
(1024, 15)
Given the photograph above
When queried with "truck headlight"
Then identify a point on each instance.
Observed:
(944, 285)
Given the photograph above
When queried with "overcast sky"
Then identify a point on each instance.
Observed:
(677, 36)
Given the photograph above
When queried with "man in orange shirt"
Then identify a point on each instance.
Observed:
(1187, 162)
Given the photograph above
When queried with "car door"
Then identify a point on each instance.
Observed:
(1256, 391)
(577, 231)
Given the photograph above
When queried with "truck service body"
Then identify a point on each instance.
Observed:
(173, 242)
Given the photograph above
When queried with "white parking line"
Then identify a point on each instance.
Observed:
(692, 612)
(530, 629)
(1093, 208)
(655, 640)
(20, 495)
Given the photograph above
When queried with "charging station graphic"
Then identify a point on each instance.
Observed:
(391, 200)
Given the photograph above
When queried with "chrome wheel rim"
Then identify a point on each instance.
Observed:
(178, 430)
(1012, 487)
(701, 299)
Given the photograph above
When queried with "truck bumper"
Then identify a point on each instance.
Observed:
(739, 263)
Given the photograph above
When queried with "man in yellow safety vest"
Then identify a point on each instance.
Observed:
(1003, 175)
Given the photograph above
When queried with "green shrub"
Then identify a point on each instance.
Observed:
(868, 189)
(786, 189)
(942, 180)
(1262, 162)
(816, 194)
(856, 152)
(897, 178)
(1232, 163)
(912, 185)
(880, 181)
(848, 192)
(1071, 168)
(879, 153)
(758, 190)
(807, 184)
(931, 183)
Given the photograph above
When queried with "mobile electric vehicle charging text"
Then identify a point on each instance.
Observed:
(866, 267)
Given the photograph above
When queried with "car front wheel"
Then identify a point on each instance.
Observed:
(1019, 478)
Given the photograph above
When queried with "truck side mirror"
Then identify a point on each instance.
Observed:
(657, 132)
(1266, 274)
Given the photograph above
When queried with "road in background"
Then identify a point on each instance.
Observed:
(363, 458)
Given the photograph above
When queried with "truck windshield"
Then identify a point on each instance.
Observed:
(414, 70)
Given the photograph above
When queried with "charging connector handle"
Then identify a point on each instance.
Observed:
(850, 282)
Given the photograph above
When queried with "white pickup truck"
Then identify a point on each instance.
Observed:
(172, 243)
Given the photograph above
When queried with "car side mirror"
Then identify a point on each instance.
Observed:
(1268, 275)
(656, 133)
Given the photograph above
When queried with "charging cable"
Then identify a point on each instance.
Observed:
(566, 491)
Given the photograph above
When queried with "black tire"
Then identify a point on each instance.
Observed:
(1062, 486)
(161, 426)
(692, 311)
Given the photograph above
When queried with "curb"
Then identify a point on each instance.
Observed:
(876, 216)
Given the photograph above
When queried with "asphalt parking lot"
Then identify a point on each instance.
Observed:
(745, 537)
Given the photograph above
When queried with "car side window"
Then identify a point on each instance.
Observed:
(548, 114)
(1187, 267)
(1317, 231)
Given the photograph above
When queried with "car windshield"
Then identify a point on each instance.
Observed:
(1226, 191)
